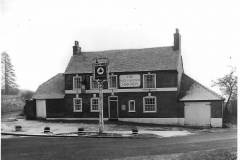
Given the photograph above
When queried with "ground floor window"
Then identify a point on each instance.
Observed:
(131, 106)
(149, 104)
(77, 104)
(94, 104)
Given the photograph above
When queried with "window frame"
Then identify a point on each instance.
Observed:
(91, 84)
(155, 82)
(133, 105)
(74, 85)
(109, 87)
(155, 104)
(91, 100)
(74, 105)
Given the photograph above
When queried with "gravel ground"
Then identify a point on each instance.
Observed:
(36, 127)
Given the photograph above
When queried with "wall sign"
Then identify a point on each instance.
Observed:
(123, 107)
(131, 80)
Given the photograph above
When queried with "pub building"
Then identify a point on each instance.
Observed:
(146, 85)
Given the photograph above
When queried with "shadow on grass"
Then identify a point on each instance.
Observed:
(219, 154)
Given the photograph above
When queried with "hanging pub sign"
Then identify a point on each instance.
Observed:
(100, 71)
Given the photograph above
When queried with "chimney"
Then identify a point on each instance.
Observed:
(177, 40)
(76, 48)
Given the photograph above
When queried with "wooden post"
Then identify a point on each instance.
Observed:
(101, 122)
(100, 74)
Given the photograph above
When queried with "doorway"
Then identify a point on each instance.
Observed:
(113, 107)
(197, 113)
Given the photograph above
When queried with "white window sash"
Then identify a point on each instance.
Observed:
(75, 81)
(129, 106)
(109, 84)
(92, 110)
(91, 84)
(74, 105)
(155, 104)
(154, 75)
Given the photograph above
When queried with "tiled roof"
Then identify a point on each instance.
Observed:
(51, 89)
(192, 90)
(127, 60)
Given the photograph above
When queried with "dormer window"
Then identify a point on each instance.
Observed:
(112, 82)
(149, 80)
(77, 81)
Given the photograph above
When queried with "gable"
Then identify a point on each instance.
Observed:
(192, 90)
(127, 60)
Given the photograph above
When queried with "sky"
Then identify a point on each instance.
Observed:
(39, 34)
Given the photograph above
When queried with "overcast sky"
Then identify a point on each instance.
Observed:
(39, 34)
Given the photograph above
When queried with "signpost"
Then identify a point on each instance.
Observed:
(100, 74)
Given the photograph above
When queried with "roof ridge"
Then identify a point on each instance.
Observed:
(205, 87)
(124, 49)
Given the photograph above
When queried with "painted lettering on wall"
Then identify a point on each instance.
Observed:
(132, 80)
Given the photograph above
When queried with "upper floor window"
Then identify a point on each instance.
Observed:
(93, 84)
(112, 81)
(77, 104)
(77, 81)
(94, 104)
(131, 106)
(149, 80)
(149, 104)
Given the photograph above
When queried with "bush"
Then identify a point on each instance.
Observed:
(230, 113)
(26, 94)
(11, 103)
(30, 109)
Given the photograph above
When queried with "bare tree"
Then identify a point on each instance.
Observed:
(228, 86)
(8, 85)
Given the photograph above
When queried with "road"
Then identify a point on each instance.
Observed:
(29, 148)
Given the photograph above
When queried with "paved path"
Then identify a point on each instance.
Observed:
(29, 148)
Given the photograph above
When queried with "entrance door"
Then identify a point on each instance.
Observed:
(113, 107)
(197, 113)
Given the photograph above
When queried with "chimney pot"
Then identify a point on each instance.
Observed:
(76, 48)
(177, 40)
(76, 43)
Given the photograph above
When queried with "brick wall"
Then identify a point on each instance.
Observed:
(167, 105)
(216, 109)
(163, 79)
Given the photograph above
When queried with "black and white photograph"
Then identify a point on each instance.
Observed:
(119, 80)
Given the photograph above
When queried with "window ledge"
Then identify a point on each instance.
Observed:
(149, 111)
(150, 88)
(77, 111)
(94, 111)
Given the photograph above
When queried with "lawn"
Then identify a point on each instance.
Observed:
(214, 154)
